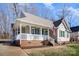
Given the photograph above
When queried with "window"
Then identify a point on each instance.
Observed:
(23, 29)
(44, 31)
(35, 30)
(61, 33)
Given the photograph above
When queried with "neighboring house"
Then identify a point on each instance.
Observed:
(61, 31)
(32, 30)
(75, 33)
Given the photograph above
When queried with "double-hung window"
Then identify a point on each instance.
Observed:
(61, 33)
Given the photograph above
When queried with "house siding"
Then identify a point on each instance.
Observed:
(74, 36)
(62, 39)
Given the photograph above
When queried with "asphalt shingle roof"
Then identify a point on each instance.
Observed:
(58, 22)
(75, 29)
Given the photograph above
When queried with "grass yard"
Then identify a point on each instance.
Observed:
(66, 50)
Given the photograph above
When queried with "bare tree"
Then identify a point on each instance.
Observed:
(15, 9)
(4, 20)
(30, 8)
(3, 23)
(1, 26)
(65, 13)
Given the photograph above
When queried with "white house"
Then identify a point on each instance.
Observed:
(61, 31)
(31, 30)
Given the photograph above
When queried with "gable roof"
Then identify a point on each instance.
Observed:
(75, 29)
(36, 20)
(58, 22)
(21, 15)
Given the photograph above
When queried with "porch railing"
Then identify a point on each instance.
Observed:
(24, 36)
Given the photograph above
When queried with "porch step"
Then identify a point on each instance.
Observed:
(32, 43)
(51, 40)
(52, 43)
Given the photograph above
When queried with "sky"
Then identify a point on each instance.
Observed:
(74, 10)
(46, 10)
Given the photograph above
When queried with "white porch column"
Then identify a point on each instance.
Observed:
(17, 31)
(30, 29)
(41, 34)
(48, 33)
(41, 31)
(29, 37)
(20, 28)
(20, 32)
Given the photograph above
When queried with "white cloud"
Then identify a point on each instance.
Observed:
(21, 4)
(49, 5)
(74, 11)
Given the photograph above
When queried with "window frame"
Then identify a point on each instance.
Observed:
(61, 33)
(44, 31)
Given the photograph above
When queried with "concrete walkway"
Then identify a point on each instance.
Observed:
(7, 50)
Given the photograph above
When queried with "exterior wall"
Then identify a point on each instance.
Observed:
(74, 36)
(53, 34)
(62, 39)
(55, 31)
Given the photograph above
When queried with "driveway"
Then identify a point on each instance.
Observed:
(8, 50)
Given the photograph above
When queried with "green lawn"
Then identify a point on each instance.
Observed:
(76, 49)
(67, 50)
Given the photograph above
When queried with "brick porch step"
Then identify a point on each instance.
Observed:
(31, 43)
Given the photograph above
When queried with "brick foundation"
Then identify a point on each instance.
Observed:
(28, 44)
(36, 43)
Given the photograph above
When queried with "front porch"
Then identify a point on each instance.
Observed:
(32, 31)
(25, 33)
